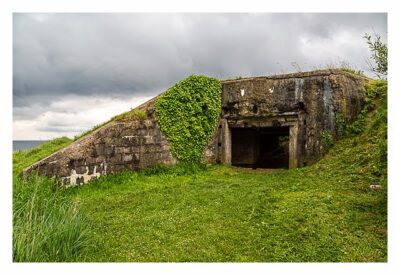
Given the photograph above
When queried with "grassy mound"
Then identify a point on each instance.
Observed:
(325, 212)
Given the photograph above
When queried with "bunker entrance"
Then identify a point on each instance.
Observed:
(260, 147)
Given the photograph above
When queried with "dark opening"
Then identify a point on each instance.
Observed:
(260, 147)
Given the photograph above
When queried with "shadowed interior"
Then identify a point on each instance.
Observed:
(260, 147)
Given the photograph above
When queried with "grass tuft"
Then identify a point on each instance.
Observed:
(48, 226)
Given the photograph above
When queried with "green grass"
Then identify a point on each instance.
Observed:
(352, 70)
(47, 223)
(25, 158)
(227, 214)
(132, 114)
(322, 213)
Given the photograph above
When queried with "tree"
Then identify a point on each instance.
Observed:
(379, 54)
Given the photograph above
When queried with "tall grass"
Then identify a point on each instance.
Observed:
(48, 225)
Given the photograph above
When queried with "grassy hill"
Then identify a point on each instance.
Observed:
(322, 213)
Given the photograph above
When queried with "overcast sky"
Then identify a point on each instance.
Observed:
(73, 71)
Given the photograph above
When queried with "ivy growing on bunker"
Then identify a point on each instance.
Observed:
(188, 114)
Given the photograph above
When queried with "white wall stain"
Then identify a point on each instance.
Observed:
(73, 178)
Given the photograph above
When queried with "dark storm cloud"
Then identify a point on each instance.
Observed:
(142, 54)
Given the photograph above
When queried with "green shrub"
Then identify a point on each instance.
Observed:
(347, 128)
(379, 54)
(188, 114)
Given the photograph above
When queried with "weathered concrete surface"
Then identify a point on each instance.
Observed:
(306, 103)
(127, 144)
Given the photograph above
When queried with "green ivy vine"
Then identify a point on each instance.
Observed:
(188, 114)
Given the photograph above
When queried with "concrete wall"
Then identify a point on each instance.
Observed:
(127, 144)
(306, 102)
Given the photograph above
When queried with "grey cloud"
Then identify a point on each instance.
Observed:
(124, 55)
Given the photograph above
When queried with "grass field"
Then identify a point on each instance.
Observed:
(322, 213)
(226, 214)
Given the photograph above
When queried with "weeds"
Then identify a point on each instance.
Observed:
(48, 226)
(132, 114)
(342, 65)
(90, 131)
(376, 95)
(327, 140)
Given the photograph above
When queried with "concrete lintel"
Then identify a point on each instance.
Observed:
(259, 123)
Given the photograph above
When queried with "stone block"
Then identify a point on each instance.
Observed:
(91, 169)
(131, 140)
(109, 151)
(91, 161)
(148, 139)
(117, 158)
(142, 132)
(148, 123)
(118, 167)
(127, 158)
(99, 148)
(119, 150)
(81, 169)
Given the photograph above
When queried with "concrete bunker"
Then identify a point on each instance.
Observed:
(279, 121)
(269, 122)
(266, 147)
